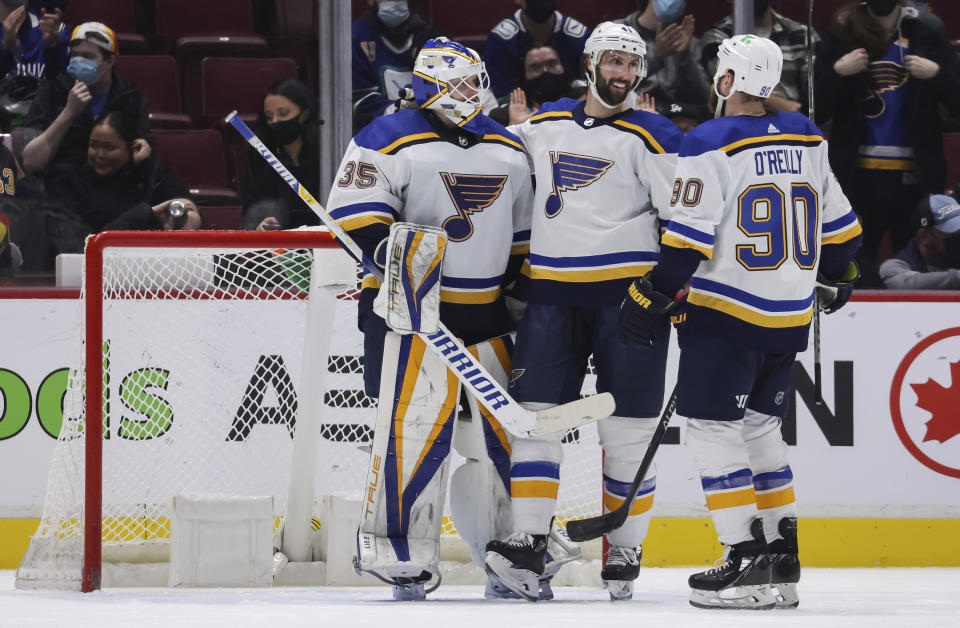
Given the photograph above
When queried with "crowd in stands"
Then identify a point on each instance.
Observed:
(99, 97)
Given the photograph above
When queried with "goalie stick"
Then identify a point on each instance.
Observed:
(588, 529)
(447, 347)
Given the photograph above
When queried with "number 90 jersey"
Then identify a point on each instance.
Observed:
(756, 197)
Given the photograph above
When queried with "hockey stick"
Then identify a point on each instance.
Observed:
(811, 112)
(588, 529)
(448, 348)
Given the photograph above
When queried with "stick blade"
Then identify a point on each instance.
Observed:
(574, 414)
(581, 530)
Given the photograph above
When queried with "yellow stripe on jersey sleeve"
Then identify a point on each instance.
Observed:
(843, 236)
(406, 139)
(765, 139)
(642, 131)
(678, 243)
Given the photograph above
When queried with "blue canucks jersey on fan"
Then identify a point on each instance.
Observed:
(761, 190)
(380, 70)
(508, 38)
(602, 186)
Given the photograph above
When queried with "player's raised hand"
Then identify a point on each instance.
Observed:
(920, 68)
(519, 112)
(854, 62)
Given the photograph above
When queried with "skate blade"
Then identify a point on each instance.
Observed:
(523, 582)
(757, 597)
(786, 594)
(409, 592)
(620, 589)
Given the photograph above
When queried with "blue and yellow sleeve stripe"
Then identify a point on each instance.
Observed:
(683, 236)
(359, 215)
(521, 243)
(841, 230)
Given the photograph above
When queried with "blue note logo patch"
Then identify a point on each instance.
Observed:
(470, 193)
(572, 172)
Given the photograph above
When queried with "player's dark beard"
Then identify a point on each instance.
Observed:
(603, 89)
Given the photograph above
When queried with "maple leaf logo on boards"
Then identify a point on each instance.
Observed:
(941, 403)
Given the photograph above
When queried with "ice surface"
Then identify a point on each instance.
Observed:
(928, 597)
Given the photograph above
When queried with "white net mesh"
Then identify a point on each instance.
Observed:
(202, 352)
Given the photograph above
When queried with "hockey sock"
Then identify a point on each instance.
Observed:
(534, 482)
(772, 476)
(624, 441)
(725, 475)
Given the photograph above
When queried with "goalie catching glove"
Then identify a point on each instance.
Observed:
(644, 312)
(409, 297)
(834, 294)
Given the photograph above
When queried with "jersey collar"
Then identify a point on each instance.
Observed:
(589, 122)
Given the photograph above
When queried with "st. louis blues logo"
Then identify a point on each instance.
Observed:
(470, 193)
(571, 172)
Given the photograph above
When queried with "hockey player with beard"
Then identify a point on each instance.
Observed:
(603, 173)
(756, 213)
(464, 181)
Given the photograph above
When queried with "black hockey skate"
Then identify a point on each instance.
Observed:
(785, 564)
(517, 562)
(621, 569)
(741, 581)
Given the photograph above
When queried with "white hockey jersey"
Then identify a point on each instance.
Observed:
(475, 185)
(756, 196)
(600, 185)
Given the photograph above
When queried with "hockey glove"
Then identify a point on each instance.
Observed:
(834, 294)
(644, 312)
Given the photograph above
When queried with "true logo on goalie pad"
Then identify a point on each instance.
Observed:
(470, 193)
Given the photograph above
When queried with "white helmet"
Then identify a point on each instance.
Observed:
(439, 72)
(612, 36)
(756, 63)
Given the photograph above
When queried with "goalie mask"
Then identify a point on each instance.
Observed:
(450, 78)
(756, 64)
(609, 36)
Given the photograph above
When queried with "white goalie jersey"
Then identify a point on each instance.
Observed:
(475, 186)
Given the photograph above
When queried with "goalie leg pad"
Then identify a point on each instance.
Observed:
(401, 515)
(624, 441)
(772, 476)
(409, 297)
(480, 488)
(535, 479)
(725, 475)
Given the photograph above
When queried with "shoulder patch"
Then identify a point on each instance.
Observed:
(506, 29)
(573, 28)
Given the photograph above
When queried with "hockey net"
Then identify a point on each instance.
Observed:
(190, 349)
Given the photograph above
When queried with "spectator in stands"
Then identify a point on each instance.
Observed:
(791, 94)
(881, 76)
(543, 78)
(684, 115)
(64, 110)
(534, 21)
(11, 209)
(288, 126)
(120, 186)
(931, 259)
(385, 43)
(28, 41)
(674, 72)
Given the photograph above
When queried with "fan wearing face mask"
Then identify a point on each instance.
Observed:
(64, 110)
(535, 21)
(288, 126)
(882, 76)
(789, 35)
(384, 43)
(673, 53)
